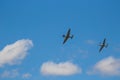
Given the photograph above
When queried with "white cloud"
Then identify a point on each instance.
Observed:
(26, 75)
(108, 66)
(14, 53)
(9, 74)
(63, 69)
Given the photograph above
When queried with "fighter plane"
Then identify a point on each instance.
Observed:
(103, 45)
(67, 36)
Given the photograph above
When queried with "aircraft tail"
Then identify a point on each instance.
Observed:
(71, 36)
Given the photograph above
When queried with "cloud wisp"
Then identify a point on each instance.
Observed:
(91, 42)
(14, 53)
(26, 75)
(10, 74)
(109, 66)
(60, 69)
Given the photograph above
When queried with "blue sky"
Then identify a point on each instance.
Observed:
(31, 40)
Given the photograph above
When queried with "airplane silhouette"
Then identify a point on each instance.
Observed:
(103, 45)
(67, 36)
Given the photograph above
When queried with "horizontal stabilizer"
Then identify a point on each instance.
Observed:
(63, 35)
(71, 36)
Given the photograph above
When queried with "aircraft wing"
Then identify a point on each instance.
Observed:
(67, 36)
(65, 39)
(104, 41)
(101, 48)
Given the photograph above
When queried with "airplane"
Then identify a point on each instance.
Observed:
(103, 45)
(67, 36)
